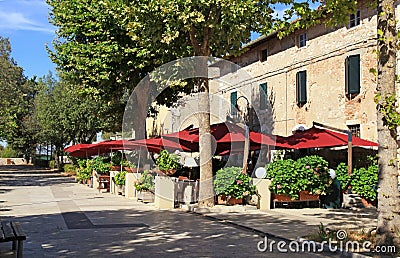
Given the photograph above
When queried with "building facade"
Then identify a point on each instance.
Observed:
(316, 75)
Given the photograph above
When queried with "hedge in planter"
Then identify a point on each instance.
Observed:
(232, 182)
(145, 182)
(290, 177)
(120, 178)
(85, 169)
(101, 166)
(363, 181)
(167, 162)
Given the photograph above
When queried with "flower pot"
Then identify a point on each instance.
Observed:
(221, 199)
(368, 204)
(307, 196)
(224, 200)
(128, 169)
(303, 196)
(234, 201)
(115, 168)
(169, 172)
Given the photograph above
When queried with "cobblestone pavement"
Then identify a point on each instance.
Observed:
(65, 219)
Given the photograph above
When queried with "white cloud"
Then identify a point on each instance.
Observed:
(18, 21)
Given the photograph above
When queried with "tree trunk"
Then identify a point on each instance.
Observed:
(206, 191)
(388, 228)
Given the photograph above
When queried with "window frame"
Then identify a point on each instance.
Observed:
(355, 19)
(263, 55)
(302, 41)
(263, 87)
(351, 77)
(234, 103)
(301, 88)
(355, 130)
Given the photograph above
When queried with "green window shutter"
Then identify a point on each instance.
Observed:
(301, 87)
(353, 74)
(233, 102)
(263, 95)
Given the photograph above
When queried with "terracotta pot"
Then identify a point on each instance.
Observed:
(224, 200)
(221, 199)
(303, 196)
(115, 168)
(128, 169)
(368, 204)
(169, 172)
(234, 201)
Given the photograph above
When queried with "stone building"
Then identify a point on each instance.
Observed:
(320, 74)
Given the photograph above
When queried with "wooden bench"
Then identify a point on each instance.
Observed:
(12, 232)
(104, 183)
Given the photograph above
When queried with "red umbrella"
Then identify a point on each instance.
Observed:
(228, 137)
(320, 138)
(156, 145)
(77, 147)
(81, 150)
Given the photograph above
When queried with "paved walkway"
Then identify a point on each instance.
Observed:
(66, 219)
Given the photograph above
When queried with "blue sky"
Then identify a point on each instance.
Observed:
(25, 23)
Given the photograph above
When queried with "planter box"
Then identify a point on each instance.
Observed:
(146, 196)
(224, 200)
(303, 196)
(115, 168)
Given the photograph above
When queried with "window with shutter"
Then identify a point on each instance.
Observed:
(263, 95)
(233, 103)
(353, 74)
(301, 87)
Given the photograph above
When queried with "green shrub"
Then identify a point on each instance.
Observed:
(232, 182)
(364, 182)
(85, 169)
(70, 168)
(145, 182)
(167, 161)
(116, 158)
(52, 164)
(8, 152)
(342, 174)
(290, 177)
(120, 178)
(101, 166)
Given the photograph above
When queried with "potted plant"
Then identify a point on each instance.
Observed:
(84, 172)
(167, 162)
(128, 166)
(232, 186)
(303, 179)
(363, 181)
(145, 186)
(116, 160)
(120, 179)
(101, 166)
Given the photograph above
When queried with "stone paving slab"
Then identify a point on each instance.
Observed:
(65, 219)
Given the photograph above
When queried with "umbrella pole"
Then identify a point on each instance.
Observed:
(349, 153)
(246, 149)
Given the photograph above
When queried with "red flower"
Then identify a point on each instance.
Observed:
(239, 182)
